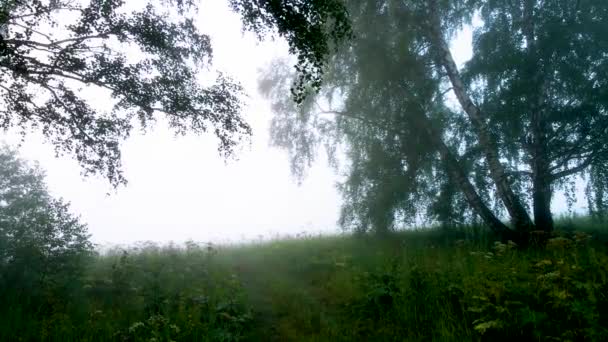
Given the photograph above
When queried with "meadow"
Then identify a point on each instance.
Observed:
(435, 284)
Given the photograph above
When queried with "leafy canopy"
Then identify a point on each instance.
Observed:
(148, 60)
(42, 244)
(387, 101)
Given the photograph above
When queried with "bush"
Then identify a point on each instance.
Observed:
(557, 295)
(43, 247)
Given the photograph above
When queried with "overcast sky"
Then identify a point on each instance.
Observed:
(180, 189)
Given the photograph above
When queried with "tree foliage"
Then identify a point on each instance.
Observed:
(425, 138)
(311, 28)
(43, 246)
(148, 60)
(538, 69)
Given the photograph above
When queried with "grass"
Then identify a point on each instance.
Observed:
(431, 284)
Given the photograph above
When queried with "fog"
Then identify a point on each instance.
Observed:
(180, 189)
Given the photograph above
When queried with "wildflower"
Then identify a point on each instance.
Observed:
(499, 247)
(544, 263)
(559, 243)
(549, 276)
(227, 316)
(581, 237)
(135, 326)
(489, 325)
(175, 328)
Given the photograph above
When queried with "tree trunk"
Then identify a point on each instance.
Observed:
(463, 182)
(519, 216)
(539, 162)
(541, 176)
(543, 218)
(473, 198)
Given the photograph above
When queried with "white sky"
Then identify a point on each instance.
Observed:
(180, 189)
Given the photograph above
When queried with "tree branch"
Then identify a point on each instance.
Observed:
(68, 111)
(34, 14)
(576, 151)
(525, 173)
(582, 166)
(55, 43)
(49, 38)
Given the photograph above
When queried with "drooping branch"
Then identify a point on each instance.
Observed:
(351, 116)
(575, 169)
(455, 169)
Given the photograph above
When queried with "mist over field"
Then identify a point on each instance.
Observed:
(332, 170)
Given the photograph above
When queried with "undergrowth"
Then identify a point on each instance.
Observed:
(432, 284)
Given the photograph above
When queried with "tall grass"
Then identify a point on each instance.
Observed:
(428, 284)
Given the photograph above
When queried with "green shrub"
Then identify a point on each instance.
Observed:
(43, 247)
(555, 295)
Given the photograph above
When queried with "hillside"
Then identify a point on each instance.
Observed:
(430, 284)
